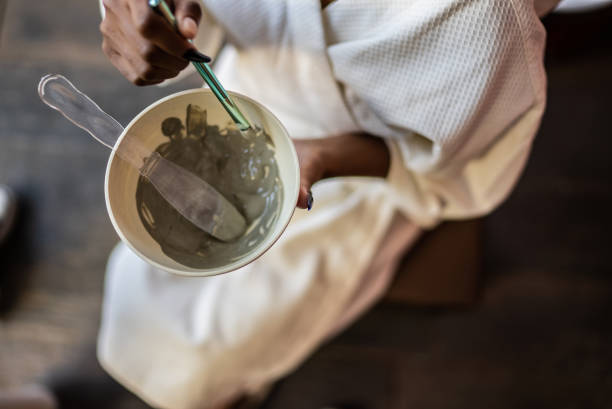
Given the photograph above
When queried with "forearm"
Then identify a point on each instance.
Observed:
(355, 154)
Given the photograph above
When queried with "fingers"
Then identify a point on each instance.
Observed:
(141, 67)
(305, 198)
(139, 74)
(312, 169)
(154, 28)
(143, 46)
(188, 15)
(149, 51)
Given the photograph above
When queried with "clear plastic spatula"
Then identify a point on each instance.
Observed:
(191, 196)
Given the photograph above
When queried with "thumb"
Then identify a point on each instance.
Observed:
(188, 14)
(305, 199)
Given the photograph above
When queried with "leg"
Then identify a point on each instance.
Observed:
(182, 341)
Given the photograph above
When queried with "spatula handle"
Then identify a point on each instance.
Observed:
(59, 93)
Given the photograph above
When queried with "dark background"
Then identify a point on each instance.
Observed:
(538, 335)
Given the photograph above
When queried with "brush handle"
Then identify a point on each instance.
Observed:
(206, 72)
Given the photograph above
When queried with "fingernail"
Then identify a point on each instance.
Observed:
(196, 56)
(309, 199)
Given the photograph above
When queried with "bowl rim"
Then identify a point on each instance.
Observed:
(250, 257)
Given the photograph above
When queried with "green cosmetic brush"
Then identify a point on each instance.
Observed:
(206, 72)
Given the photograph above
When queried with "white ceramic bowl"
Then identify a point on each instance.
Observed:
(121, 178)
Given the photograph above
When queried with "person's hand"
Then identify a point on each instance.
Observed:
(312, 168)
(353, 154)
(142, 45)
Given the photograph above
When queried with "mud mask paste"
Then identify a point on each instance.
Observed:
(241, 166)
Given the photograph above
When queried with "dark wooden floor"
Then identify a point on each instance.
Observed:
(64, 235)
(540, 336)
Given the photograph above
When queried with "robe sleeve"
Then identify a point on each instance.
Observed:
(456, 88)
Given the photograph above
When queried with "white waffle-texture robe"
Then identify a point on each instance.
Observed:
(457, 90)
